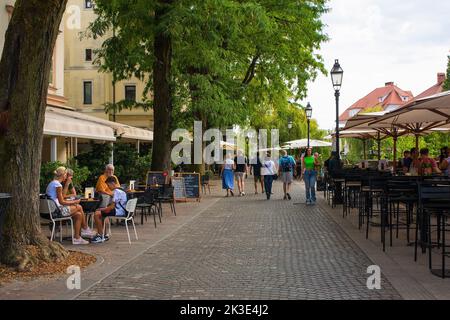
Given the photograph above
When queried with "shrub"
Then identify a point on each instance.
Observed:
(81, 174)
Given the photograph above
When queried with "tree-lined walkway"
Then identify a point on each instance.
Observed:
(249, 248)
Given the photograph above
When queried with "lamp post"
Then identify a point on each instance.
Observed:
(290, 125)
(336, 78)
(308, 117)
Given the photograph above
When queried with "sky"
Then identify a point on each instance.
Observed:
(379, 41)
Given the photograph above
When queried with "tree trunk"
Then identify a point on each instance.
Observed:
(162, 94)
(24, 79)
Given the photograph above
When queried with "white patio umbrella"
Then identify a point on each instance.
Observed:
(419, 116)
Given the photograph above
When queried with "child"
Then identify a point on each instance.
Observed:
(115, 209)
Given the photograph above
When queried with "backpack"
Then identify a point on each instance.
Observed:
(286, 164)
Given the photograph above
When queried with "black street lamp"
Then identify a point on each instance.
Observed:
(290, 126)
(308, 117)
(336, 77)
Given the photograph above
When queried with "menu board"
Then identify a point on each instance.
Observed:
(155, 178)
(179, 190)
(191, 185)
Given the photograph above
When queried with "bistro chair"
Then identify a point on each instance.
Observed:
(205, 183)
(130, 210)
(148, 205)
(166, 195)
(48, 206)
(434, 202)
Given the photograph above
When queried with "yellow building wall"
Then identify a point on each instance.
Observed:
(78, 70)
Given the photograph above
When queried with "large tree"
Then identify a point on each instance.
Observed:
(227, 56)
(446, 86)
(24, 78)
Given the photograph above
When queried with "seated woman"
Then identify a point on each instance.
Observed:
(68, 188)
(115, 209)
(428, 166)
(69, 208)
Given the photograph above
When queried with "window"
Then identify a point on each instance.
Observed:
(88, 4)
(354, 112)
(88, 55)
(87, 92)
(405, 98)
(130, 92)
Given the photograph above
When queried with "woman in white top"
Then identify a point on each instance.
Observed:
(268, 171)
(68, 207)
(227, 175)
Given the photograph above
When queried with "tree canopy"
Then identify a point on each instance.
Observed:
(230, 59)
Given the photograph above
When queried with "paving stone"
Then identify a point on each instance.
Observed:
(249, 248)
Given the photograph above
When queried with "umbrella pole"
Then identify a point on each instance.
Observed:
(395, 154)
(364, 149)
(417, 141)
(379, 146)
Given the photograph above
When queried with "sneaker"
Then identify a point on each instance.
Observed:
(88, 233)
(285, 198)
(268, 196)
(308, 202)
(243, 194)
(289, 196)
(80, 241)
(98, 239)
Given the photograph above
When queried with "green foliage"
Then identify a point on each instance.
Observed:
(230, 58)
(446, 86)
(81, 174)
(96, 160)
(128, 164)
(434, 142)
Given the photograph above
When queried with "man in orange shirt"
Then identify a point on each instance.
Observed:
(101, 186)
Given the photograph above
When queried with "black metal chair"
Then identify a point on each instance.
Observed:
(148, 205)
(205, 184)
(166, 195)
(434, 202)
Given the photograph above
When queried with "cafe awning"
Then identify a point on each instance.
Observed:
(119, 129)
(57, 124)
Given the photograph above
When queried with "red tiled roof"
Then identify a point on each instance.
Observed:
(391, 94)
(437, 88)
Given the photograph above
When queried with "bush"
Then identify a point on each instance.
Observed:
(128, 164)
(81, 174)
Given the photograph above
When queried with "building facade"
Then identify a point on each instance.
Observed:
(66, 131)
(87, 89)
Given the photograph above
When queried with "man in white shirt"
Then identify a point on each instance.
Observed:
(115, 209)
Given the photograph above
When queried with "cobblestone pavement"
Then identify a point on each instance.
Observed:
(249, 248)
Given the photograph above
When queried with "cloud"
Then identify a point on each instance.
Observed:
(405, 41)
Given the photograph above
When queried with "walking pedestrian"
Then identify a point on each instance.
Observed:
(227, 175)
(268, 170)
(309, 165)
(286, 172)
(240, 172)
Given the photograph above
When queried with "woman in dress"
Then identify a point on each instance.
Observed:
(227, 174)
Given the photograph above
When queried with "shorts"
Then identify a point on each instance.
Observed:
(287, 177)
(111, 213)
(65, 211)
(258, 178)
(239, 175)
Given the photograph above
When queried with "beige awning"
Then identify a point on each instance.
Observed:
(121, 130)
(65, 126)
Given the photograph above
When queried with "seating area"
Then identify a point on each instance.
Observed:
(413, 208)
(146, 201)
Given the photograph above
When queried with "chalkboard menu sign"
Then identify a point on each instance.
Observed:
(191, 185)
(156, 178)
(179, 190)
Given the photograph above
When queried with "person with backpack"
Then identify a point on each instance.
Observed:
(286, 172)
(115, 209)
